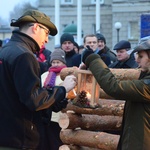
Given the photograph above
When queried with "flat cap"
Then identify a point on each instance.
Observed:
(36, 17)
(143, 46)
(122, 45)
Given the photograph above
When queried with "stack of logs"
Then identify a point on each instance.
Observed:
(93, 129)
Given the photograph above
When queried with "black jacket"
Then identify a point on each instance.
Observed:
(73, 59)
(130, 63)
(22, 100)
(109, 53)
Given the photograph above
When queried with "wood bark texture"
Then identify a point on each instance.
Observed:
(90, 122)
(105, 107)
(101, 140)
(122, 74)
(74, 147)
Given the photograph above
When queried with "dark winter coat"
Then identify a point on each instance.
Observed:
(73, 59)
(129, 63)
(22, 101)
(109, 53)
(136, 119)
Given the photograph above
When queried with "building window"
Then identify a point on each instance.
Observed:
(133, 30)
(66, 2)
(94, 1)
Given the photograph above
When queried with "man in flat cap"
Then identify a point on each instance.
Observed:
(25, 107)
(124, 59)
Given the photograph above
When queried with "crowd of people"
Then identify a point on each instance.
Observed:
(32, 93)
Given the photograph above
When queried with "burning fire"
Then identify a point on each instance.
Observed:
(88, 95)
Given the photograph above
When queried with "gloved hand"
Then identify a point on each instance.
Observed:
(88, 51)
(69, 83)
(57, 94)
(58, 106)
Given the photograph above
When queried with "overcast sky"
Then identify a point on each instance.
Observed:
(8, 5)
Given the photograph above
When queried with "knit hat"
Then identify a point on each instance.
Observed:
(122, 45)
(36, 17)
(76, 44)
(101, 37)
(66, 37)
(58, 55)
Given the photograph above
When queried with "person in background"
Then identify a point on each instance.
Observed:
(50, 79)
(67, 45)
(76, 47)
(81, 48)
(136, 93)
(91, 42)
(24, 104)
(124, 59)
(104, 49)
(43, 57)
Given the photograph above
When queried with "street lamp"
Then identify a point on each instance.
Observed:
(118, 26)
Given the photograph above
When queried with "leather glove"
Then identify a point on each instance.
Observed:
(58, 106)
(69, 83)
(88, 51)
(59, 98)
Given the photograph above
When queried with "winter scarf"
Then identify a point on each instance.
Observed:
(40, 56)
(51, 77)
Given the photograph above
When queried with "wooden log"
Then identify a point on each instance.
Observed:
(65, 120)
(105, 107)
(103, 95)
(74, 147)
(90, 122)
(68, 71)
(122, 74)
(101, 140)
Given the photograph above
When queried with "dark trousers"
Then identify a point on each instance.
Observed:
(53, 134)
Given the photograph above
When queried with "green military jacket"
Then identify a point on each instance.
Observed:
(136, 119)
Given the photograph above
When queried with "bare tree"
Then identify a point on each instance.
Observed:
(19, 9)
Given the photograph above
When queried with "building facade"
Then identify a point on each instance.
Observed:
(127, 12)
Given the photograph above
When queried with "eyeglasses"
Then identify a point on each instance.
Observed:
(46, 30)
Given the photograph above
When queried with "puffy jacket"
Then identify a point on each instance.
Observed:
(136, 119)
(22, 100)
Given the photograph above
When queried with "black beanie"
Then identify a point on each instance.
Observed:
(66, 37)
(101, 37)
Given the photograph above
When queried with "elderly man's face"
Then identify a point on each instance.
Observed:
(122, 55)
